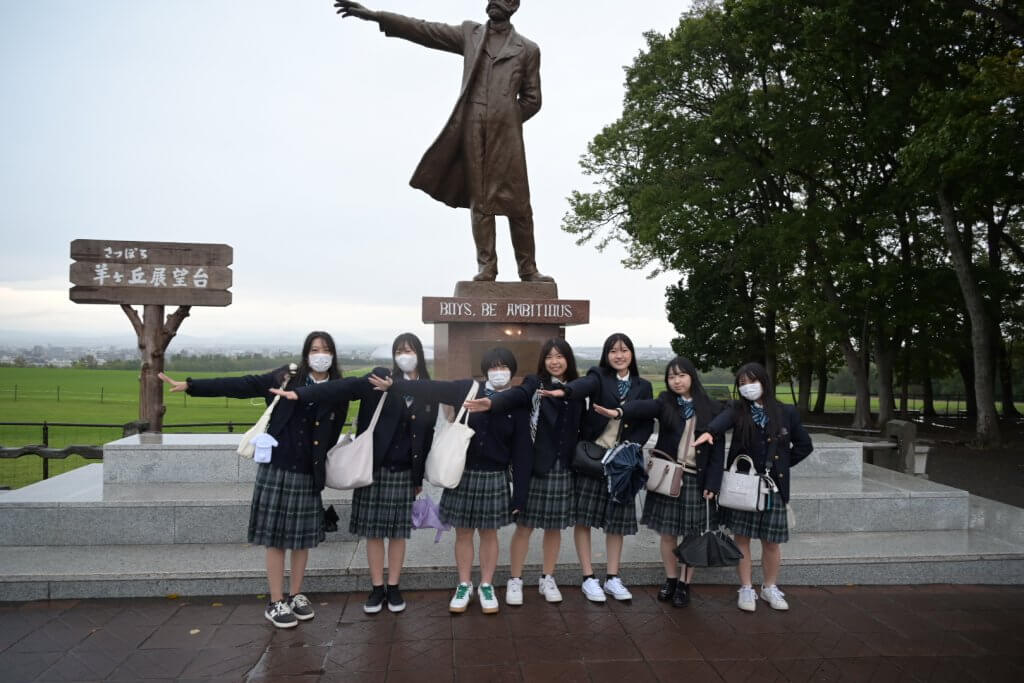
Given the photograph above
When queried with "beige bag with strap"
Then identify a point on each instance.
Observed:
(246, 448)
(350, 460)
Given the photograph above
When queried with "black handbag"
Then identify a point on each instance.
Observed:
(587, 459)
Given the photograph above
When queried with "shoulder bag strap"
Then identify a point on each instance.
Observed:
(471, 394)
(376, 413)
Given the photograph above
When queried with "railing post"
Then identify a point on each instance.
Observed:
(46, 444)
(231, 427)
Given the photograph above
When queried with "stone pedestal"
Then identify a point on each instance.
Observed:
(519, 316)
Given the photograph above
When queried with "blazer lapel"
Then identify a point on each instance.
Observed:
(513, 46)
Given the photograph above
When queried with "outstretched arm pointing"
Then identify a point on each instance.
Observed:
(354, 9)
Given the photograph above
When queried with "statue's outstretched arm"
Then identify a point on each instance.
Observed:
(430, 34)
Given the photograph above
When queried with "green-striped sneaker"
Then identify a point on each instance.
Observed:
(460, 600)
(488, 600)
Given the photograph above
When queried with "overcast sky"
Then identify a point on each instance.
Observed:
(280, 129)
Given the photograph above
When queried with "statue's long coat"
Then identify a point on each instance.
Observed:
(513, 97)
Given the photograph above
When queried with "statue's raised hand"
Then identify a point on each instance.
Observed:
(354, 9)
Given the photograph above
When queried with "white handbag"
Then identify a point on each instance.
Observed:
(350, 460)
(741, 490)
(664, 475)
(447, 457)
(246, 447)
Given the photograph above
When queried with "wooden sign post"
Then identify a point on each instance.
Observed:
(153, 275)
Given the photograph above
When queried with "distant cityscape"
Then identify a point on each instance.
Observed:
(99, 355)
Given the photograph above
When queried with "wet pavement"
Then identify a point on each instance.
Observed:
(890, 633)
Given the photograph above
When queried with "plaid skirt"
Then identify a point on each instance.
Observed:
(549, 501)
(384, 508)
(593, 507)
(686, 514)
(769, 525)
(482, 500)
(287, 511)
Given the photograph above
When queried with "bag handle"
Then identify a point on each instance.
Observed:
(376, 413)
(473, 388)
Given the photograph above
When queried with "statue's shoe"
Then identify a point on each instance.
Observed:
(485, 276)
(536, 277)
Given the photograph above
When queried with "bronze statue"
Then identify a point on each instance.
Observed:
(478, 161)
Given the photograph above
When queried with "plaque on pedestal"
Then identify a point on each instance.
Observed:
(520, 316)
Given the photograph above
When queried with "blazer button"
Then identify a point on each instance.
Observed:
(316, 443)
(413, 417)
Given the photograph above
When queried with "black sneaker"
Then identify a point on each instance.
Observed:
(682, 596)
(375, 602)
(395, 601)
(280, 615)
(301, 607)
(668, 589)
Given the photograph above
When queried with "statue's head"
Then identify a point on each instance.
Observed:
(502, 10)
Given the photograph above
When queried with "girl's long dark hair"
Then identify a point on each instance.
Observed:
(745, 430)
(333, 372)
(562, 346)
(414, 343)
(608, 344)
(703, 406)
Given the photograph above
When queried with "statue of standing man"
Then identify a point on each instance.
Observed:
(478, 161)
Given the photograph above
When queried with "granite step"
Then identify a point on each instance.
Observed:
(169, 513)
(978, 555)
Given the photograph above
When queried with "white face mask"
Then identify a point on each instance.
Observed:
(407, 362)
(498, 378)
(320, 362)
(751, 391)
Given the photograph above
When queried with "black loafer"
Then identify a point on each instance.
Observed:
(682, 596)
(668, 590)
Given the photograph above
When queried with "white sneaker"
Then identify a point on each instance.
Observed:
(463, 594)
(549, 589)
(774, 597)
(514, 592)
(748, 599)
(488, 599)
(592, 589)
(615, 588)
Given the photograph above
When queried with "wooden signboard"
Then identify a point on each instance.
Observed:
(153, 274)
(158, 273)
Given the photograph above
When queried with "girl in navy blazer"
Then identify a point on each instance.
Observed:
(287, 511)
(775, 439)
(683, 411)
(614, 383)
(401, 441)
(554, 431)
(481, 503)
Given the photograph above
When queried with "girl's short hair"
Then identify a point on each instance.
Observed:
(498, 356)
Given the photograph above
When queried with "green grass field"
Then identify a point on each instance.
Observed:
(111, 397)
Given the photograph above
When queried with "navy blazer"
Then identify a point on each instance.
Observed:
(601, 388)
(329, 416)
(709, 457)
(421, 421)
(500, 440)
(558, 422)
(793, 443)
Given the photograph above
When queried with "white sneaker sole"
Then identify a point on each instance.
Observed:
(303, 618)
(596, 598)
(621, 596)
(515, 602)
(489, 610)
(556, 597)
(396, 608)
(457, 609)
(372, 610)
(291, 625)
(748, 608)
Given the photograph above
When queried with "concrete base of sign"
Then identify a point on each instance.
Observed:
(519, 316)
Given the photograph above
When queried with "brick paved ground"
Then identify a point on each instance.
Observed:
(919, 633)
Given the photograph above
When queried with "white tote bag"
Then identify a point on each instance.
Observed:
(741, 490)
(350, 461)
(447, 457)
(246, 447)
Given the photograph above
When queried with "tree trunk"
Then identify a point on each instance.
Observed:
(928, 400)
(819, 402)
(770, 352)
(153, 336)
(966, 367)
(884, 362)
(805, 375)
(1006, 382)
(905, 385)
(855, 362)
(987, 425)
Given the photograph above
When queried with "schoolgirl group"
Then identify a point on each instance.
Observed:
(530, 432)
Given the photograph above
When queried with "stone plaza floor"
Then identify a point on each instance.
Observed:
(884, 633)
